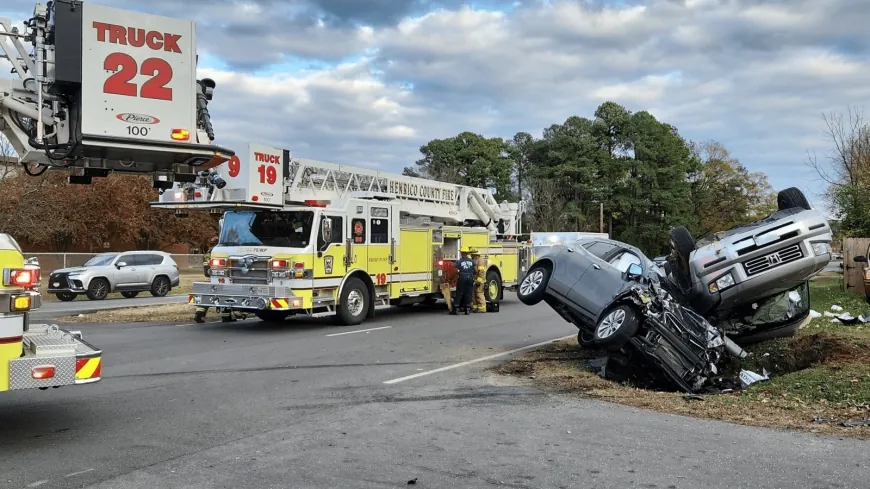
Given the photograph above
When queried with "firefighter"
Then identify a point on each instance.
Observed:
(479, 302)
(465, 282)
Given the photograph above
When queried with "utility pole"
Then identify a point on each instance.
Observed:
(601, 218)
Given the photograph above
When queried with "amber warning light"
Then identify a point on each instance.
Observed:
(181, 134)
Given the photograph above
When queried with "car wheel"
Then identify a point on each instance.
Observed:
(585, 339)
(130, 295)
(160, 286)
(492, 287)
(354, 302)
(534, 284)
(272, 316)
(616, 326)
(682, 244)
(790, 198)
(66, 296)
(98, 289)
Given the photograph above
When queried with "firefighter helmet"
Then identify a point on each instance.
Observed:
(465, 249)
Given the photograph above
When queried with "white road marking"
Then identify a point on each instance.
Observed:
(359, 331)
(481, 359)
(78, 473)
(37, 483)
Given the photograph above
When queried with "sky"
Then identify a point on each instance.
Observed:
(367, 82)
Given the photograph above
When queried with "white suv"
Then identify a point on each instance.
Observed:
(129, 273)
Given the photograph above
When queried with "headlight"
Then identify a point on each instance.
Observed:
(721, 283)
(821, 249)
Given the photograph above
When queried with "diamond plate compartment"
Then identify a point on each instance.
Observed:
(20, 372)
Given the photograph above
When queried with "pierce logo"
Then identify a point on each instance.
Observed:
(137, 118)
(266, 158)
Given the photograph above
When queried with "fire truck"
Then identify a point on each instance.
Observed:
(300, 236)
(93, 90)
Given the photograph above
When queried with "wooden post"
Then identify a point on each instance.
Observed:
(601, 218)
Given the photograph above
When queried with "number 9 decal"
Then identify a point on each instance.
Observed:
(234, 166)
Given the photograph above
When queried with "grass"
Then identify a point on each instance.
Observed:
(818, 379)
(187, 278)
(168, 313)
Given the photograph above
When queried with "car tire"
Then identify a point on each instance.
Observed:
(272, 316)
(533, 286)
(130, 294)
(682, 244)
(354, 304)
(98, 289)
(492, 286)
(616, 326)
(790, 198)
(160, 286)
(585, 339)
(66, 296)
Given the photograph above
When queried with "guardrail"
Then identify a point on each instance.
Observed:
(55, 261)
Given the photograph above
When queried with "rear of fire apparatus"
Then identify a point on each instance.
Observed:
(93, 90)
(300, 236)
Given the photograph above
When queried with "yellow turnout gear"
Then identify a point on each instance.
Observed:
(478, 303)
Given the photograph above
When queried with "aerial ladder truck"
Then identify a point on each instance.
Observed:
(300, 236)
(93, 90)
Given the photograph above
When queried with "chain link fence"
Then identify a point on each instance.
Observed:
(55, 261)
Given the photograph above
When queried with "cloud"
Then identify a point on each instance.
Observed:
(366, 82)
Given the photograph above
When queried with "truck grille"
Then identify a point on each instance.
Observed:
(249, 270)
(773, 260)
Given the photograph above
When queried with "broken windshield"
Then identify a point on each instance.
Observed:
(290, 229)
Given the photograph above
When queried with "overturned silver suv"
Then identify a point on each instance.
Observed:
(728, 274)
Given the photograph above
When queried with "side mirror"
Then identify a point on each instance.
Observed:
(121, 264)
(326, 229)
(634, 271)
(860, 259)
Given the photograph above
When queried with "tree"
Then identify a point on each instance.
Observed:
(725, 194)
(846, 169)
(467, 159)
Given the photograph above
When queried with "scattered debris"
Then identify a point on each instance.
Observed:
(852, 423)
(748, 377)
(412, 481)
(836, 308)
(815, 314)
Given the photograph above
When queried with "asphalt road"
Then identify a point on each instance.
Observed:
(56, 309)
(305, 405)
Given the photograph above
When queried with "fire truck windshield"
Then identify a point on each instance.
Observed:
(289, 229)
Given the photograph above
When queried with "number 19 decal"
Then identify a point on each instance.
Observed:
(381, 278)
(268, 174)
(125, 69)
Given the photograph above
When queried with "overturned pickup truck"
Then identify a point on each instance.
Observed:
(705, 301)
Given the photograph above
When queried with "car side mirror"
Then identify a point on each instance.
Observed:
(121, 264)
(860, 259)
(634, 271)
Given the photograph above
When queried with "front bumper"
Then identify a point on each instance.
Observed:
(73, 360)
(767, 283)
(60, 283)
(244, 296)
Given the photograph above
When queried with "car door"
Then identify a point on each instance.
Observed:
(147, 265)
(594, 290)
(128, 275)
(571, 263)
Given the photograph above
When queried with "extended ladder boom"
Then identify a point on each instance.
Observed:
(445, 202)
(258, 183)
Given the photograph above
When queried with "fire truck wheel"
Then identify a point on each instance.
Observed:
(492, 287)
(98, 289)
(354, 302)
(66, 296)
